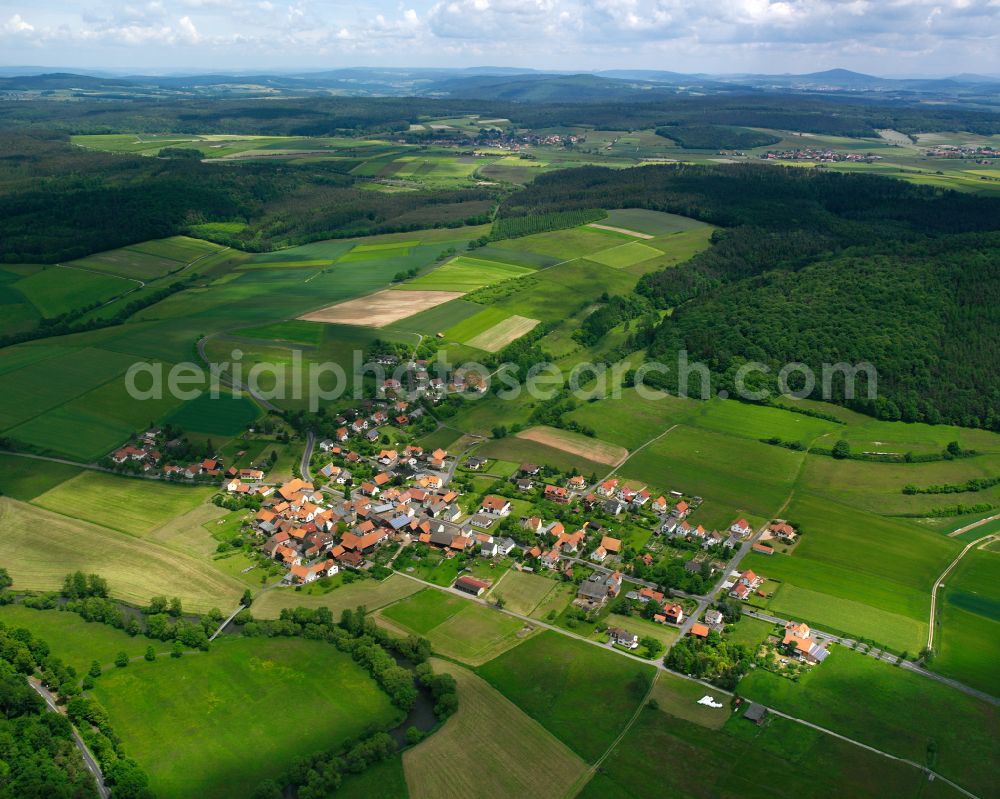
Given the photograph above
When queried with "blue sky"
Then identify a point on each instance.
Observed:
(888, 37)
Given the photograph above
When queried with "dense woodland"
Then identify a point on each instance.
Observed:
(818, 267)
(56, 201)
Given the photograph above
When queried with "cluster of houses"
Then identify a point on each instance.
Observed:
(823, 155)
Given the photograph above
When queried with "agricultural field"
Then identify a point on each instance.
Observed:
(968, 636)
(628, 254)
(76, 642)
(383, 308)
(713, 465)
(54, 290)
(371, 594)
(666, 753)
(129, 505)
(149, 260)
(457, 628)
(884, 564)
(650, 223)
(518, 758)
(464, 274)
(576, 691)
(893, 710)
(40, 548)
(575, 444)
(24, 479)
(214, 712)
(522, 450)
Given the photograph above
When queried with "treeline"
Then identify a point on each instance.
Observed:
(37, 749)
(975, 484)
(612, 312)
(59, 202)
(716, 137)
(515, 227)
(316, 116)
(820, 268)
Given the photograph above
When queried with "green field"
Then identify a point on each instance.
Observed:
(522, 592)
(149, 260)
(474, 325)
(76, 642)
(224, 416)
(623, 255)
(295, 330)
(466, 274)
(520, 450)
(58, 289)
(368, 593)
(215, 712)
(968, 641)
(667, 755)
(24, 479)
(713, 465)
(130, 505)
(578, 692)
(893, 710)
(456, 627)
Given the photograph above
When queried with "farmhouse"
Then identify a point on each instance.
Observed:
(798, 638)
(496, 506)
(784, 532)
(598, 588)
(470, 585)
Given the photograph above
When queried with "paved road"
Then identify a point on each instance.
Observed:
(88, 759)
(450, 473)
(307, 456)
(850, 643)
(940, 580)
(660, 667)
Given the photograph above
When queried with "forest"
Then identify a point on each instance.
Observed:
(817, 268)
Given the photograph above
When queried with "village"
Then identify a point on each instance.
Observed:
(362, 509)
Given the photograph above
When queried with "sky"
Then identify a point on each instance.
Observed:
(884, 37)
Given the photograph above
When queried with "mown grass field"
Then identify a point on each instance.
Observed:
(893, 710)
(517, 757)
(473, 326)
(522, 592)
(368, 593)
(215, 712)
(223, 416)
(39, 548)
(456, 627)
(465, 273)
(968, 639)
(521, 450)
(578, 692)
(76, 642)
(130, 505)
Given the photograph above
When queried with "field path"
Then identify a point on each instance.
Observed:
(228, 380)
(939, 583)
(626, 231)
(628, 457)
(973, 526)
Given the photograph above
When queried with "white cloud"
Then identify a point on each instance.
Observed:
(17, 24)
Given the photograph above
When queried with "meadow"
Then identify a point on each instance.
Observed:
(40, 548)
(24, 479)
(130, 505)
(149, 260)
(518, 757)
(623, 255)
(522, 592)
(76, 642)
(578, 692)
(371, 594)
(57, 289)
(891, 709)
(215, 712)
(652, 223)
(575, 444)
(522, 450)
